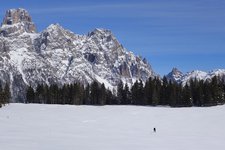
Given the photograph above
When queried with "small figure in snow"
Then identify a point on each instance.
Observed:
(154, 129)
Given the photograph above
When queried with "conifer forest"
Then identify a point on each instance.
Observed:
(154, 92)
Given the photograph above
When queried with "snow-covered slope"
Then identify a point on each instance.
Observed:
(55, 127)
(179, 77)
(57, 55)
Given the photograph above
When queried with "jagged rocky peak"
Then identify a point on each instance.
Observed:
(14, 16)
(175, 71)
(17, 20)
(175, 75)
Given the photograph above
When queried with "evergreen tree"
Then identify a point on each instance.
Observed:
(120, 93)
(199, 94)
(155, 97)
(217, 90)
(140, 93)
(94, 93)
(47, 97)
(127, 95)
(6, 93)
(158, 88)
(187, 97)
(148, 92)
(30, 95)
(87, 95)
(171, 92)
(102, 99)
(134, 93)
(39, 98)
(193, 87)
(1, 95)
(54, 91)
(223, 83)
(64, 94)
(178, 88)
(208, 96)
(77, 94)
(110, 98)
(163, 92)
(221, 92)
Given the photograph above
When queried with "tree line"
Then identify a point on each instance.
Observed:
(74, 94)
(153, 92)
(4, 94)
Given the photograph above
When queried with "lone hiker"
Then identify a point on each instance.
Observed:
(154, 129)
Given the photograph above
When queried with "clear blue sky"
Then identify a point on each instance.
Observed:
(187, 34)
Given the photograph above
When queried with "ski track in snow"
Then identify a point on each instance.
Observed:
(46, 127)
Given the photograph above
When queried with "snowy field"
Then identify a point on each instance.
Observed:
(57, 127)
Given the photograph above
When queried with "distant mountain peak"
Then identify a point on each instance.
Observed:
(175, 75)
(176, 71)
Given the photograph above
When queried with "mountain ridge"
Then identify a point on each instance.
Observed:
(195, 74)
(59, 56)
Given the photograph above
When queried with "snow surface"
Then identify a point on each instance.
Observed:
(48, 127)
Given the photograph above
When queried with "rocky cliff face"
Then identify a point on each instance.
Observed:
(57, 55)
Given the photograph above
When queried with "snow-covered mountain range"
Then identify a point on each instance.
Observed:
(177, 76)
(57, 55)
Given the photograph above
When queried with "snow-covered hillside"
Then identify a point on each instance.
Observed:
(45, 127)
(59, 56)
